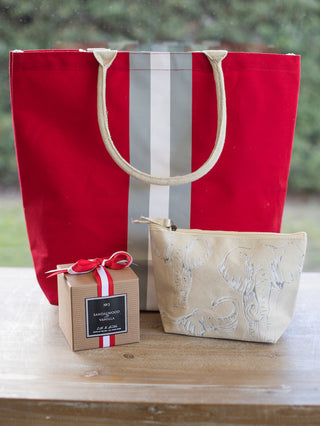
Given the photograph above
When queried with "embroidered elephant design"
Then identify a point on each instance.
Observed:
(202, 321)
(259, 274)
(181, 262)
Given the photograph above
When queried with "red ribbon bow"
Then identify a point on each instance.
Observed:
(119, 260)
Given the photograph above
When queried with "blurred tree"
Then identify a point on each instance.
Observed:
(289, 25)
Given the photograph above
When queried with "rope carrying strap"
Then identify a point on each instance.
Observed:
(105, 58)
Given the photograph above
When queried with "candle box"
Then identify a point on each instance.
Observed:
(89, 321)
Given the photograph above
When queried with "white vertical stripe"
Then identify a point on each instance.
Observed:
(104, 292)
(106, 341)
(159, 148)
(104, 281)
(159, 132)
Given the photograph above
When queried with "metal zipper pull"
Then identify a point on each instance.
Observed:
(164, 223)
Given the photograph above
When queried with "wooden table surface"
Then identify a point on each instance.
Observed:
(164, 379)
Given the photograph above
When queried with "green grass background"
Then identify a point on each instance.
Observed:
(14, 246)
(301, 214)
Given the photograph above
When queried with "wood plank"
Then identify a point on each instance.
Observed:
(62, 413)
(163, 375)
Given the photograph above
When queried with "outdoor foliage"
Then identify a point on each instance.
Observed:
(288, 25)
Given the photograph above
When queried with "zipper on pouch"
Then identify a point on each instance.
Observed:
(170, 226)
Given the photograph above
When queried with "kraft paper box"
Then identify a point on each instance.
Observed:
(89, 321)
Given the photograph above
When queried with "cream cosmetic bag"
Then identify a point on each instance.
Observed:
(230, 285)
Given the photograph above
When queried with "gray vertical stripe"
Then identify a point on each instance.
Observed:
(139, 131)
(181, 136)
(180, 152)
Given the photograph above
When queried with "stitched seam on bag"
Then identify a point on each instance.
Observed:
(241, 235)
(88, 68)
(161, 69)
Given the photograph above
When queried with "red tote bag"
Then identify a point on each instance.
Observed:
(92, 128)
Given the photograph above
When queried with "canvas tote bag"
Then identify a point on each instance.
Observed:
(160, 113)
(231, 285)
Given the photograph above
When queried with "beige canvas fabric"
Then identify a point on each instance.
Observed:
(231, 285)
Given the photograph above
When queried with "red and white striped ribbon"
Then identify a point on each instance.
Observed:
(119, 260)
(105, 288)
